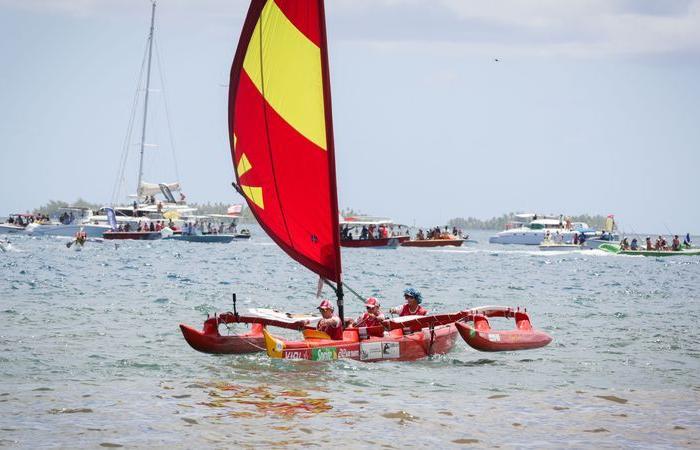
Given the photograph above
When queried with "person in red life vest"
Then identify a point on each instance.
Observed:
(412, 307)
(329, 324)
(373, 317)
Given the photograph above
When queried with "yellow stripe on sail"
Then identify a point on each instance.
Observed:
(243, 164)
(291, 70)
(254, 193)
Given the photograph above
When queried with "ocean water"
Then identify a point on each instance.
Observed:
(91, 354)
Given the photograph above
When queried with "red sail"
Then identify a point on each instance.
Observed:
(281, 132)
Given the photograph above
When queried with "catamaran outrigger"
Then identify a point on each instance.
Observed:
(281, 137)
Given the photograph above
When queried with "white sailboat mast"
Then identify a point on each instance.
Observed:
(145, 103)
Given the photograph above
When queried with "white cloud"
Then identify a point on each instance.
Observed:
(577, 28)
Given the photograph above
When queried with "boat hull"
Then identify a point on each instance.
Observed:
(135, 235)
(211, 341)
(612, 248)
(203, 238)
(433, 243)
(527, 237)
(6, 228)
(559, 247)
(596, 243)
(90, 230)
(488, 340)
(392, 242)
(393, 346)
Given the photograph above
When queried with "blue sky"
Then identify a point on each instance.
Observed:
(593, 106)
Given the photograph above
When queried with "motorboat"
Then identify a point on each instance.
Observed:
(68, 222)
(17, 223)
(533, 232)
(366, 231)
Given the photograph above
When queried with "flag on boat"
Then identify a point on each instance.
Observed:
(280, 130)
(609, 223)
(234, 210)
(111, 218)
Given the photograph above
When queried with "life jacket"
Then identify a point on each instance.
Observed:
(336, 333)
(406, 311)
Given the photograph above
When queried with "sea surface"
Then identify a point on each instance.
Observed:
(91, 355)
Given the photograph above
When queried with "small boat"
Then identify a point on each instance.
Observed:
(528, 229)
(366, 231)
(204, 238)
(614, 248)
(243, 234)
(392, 242)
(137, 235)
(17, 223)
(281, 141)
(210, 340)
(441, 242)
(481, 337)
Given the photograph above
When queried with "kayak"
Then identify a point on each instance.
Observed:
(433, 243)
(613, 248)
(368, 344)
(481, 337)
(210, 340)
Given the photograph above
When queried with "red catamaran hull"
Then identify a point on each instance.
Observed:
(210, 341)
(481, 337)
(393, 346)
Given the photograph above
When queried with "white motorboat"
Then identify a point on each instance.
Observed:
(16, 223)
(533, 232)
(68, 222)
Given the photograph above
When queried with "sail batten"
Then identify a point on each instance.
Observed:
(280, 130)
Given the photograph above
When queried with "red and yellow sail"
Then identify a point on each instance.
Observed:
(281, 131)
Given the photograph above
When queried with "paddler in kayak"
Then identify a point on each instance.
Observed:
(329, 324)
(372, 318)
(412, 307)
(80, 236)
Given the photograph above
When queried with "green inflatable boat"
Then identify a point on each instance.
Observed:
(614, 248)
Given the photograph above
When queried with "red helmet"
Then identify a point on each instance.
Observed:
(325, 304)
(372, 302)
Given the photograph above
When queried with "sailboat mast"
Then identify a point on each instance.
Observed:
(145, 102)
(325, 73)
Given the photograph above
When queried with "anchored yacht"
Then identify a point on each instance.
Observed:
(528, 229)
